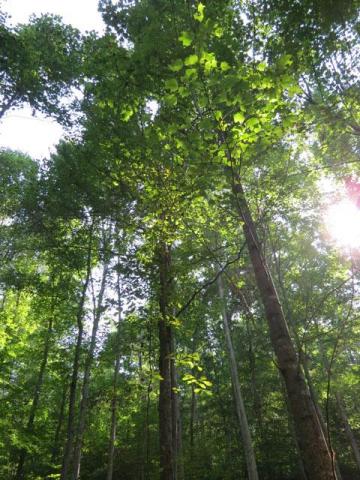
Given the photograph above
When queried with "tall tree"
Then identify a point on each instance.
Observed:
(239, 402)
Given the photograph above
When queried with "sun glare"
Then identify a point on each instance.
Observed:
(343, 223)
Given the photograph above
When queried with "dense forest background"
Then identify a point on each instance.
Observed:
(172, 304)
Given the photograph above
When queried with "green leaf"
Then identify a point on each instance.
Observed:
(186, 39)
(183, 92)
(171, 85)
(208, 59)
(191, 60)
(207, 383)
(294, 89)
(191, 73)
(202, 102)
(261, 67)
(252, 123)
(199, 15)
(224, 66)
(265, 83)
(218, 115)
(218, 31)
(285, 60)
(171, 100)
(127, 113)
(205, 124)
(239, 117)
(177, 65)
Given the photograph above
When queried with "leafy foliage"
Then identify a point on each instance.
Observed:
(179, 101)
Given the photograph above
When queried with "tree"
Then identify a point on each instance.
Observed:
(40, 65)
(198, 122)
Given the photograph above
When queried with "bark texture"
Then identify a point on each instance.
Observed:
(318, 461)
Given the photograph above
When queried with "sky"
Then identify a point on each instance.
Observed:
(19, 130)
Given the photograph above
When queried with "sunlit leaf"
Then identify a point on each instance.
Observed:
(224, 66)
(239, 117)
(191, 60)
(199, 15)
(186, 39)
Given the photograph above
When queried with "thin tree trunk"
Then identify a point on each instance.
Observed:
(72, 400)
(70, 434)
(348, 430)
(147, 411)
(112, 437)
(313, 395)
(87, 376)
(147, 431)
(193, 405)
(251, 355)
(239, 403)
(30, 424)
(114, 400)
(192, 421)
(176, 418)
(141, 445)
(59, 422)
(318, 461)
(167, 463)
(341, 409)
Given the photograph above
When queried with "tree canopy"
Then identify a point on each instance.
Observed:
(174, 304)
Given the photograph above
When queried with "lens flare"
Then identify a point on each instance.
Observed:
(343, 223)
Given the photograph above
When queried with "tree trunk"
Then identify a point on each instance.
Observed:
(59, 422)
(256, 394)
(70, 434)
(193, 404)
(167, 463)
(292, 431)
(192, 421)
(239, 403)
(176, 419)
(114, 400)
(319, 413)
(341, 409)
(112, 438)
(30, 424)
(318, 461)
(304, 364)
(87, 375)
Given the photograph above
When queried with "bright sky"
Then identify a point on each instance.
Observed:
(19, 130)
(343, 223)
(341, 215)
